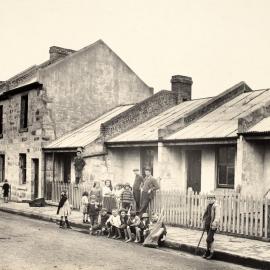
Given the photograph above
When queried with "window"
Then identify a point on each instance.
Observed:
(1, 121)
(225, 167)
(24, 113)
(22, 164)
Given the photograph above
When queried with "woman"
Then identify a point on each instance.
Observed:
(109, 201)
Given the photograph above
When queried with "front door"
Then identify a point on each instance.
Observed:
(194, 169)
(35, 163)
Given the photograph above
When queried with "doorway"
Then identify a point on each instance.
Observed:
(35, 164)
(194, 169)
(2, 168)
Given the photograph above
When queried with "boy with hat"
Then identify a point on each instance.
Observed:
(150, 185)
(211, 219)
(127, 197)
(79, 164)
(93, 211)
(123, 226)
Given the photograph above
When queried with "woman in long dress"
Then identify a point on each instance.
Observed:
(109, 201)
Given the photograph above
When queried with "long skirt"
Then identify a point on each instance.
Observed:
(109, 203)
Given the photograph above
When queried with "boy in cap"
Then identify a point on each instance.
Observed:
(93, 211)
(100, 228)
(127, 197)
(79, 164)
(211, 219)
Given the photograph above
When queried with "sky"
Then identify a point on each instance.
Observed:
(217, 43)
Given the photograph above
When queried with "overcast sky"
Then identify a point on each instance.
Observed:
(217, 43)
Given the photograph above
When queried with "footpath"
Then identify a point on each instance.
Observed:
(247, 252)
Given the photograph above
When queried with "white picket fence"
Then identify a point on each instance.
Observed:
(238, 215)
(246, 216)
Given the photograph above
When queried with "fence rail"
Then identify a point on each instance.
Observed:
(246, 216)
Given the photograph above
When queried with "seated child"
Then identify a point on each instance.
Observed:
(127, 197)
(100, 228)
(132, 227)
(144, 226)
(93, 211)
(156, 234)
(84, 206)
(113, 224)
(123, 226)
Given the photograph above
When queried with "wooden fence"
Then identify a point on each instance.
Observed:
(238, 215)
(246, 216)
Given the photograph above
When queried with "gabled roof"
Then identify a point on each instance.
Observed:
(262, 127)
(148, 131)
(223, 122)
(86, 134)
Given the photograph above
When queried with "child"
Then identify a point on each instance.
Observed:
(64, 209)
(156, 234)
(132, 227)
(84, 206)
(97, 191)
(93, 211)
(127, 197)
(117, 193)
(144, 226)
(211, 219)
(123, 226)
(113, 224)
(108, 199)
(101, 228)
(5, 189)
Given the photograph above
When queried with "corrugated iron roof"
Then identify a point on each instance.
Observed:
(86, 134)
(223, 122)
(148, 131)
(262, 127)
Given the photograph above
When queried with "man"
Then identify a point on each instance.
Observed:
(5, 189)
(150, 185)
(79, 164)
(211, 219)
(138, 182)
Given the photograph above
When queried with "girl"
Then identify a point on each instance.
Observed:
(64, 209)
(108, 197)
(97, 191)
(127, 197)
(84, 206)
(117, 193)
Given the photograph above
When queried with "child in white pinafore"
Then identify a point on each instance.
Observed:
(64, 210)
(84, 206)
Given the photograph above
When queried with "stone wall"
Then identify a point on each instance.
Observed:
(88, 83)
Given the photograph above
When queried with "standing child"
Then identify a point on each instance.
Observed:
(132, 227)
(127, 197)
(123, 226)
(113, 224)
(93, 211)
(64, 209)
(108, 196)
(84, 206)
(97, 191)
(117, 193)
(101, 228)
(6, 188)
(211, 219)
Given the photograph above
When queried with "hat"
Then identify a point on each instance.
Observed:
(211, 194)
(92, 196)
(79, 149)
(135, 170)
(145, 215)
(147, 169)
(127, 185)
(122, 210)
(104, 210)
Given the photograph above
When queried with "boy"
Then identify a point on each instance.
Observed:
(6, 188)
(144, 225)
(127, 197)
(211, 219)
(93, 211)
(132, 227)
(113, 224)
(123, 226)
(100, 228)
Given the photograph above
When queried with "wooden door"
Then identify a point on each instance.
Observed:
(194, 169)
(35, 163)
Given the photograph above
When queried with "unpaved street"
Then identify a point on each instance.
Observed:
(32, 244)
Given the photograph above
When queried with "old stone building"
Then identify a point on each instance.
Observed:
(48, 100)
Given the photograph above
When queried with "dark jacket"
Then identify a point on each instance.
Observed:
(150, 183)
(93, 209)
(137, 182)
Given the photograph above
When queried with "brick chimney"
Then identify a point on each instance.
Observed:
(181, 85)
(59, 52)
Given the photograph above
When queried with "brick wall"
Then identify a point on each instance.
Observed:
(139, 113)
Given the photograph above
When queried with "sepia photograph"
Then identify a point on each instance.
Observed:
(134, 135)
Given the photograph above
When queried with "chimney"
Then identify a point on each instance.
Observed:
(181, 85)
(59, 52)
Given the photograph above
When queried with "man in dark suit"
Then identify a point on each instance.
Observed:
(138, 182)
(149, 187)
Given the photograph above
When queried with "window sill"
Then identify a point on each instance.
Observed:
(21, 130)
